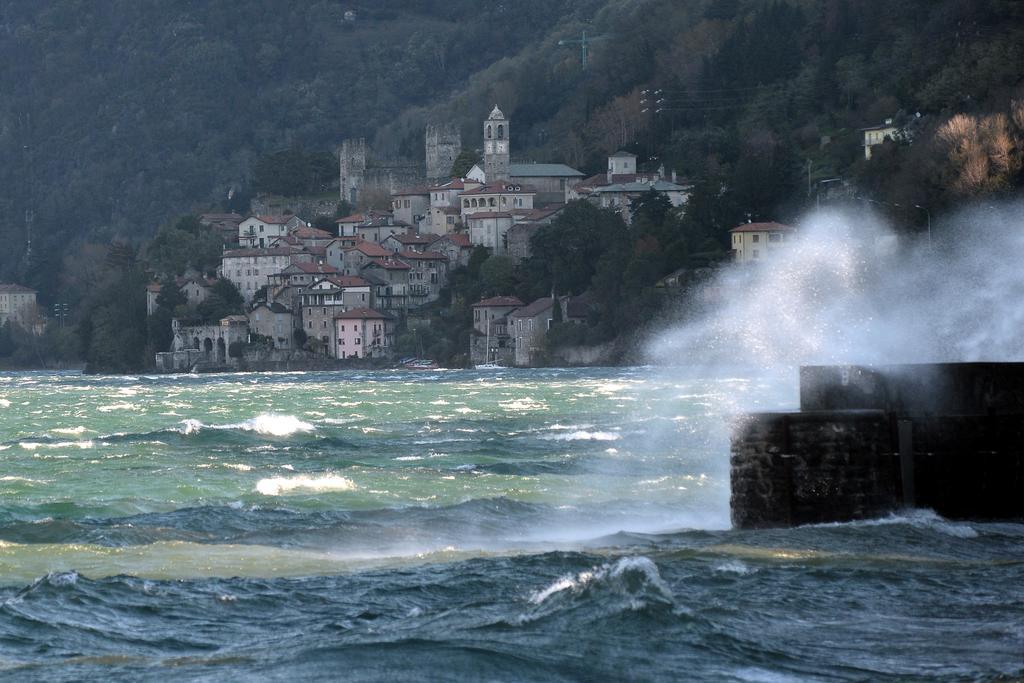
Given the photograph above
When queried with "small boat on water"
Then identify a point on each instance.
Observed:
(418, 364)
(489, 366)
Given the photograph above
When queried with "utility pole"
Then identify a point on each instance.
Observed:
(61, 312)
(30, 214)
(584, 42)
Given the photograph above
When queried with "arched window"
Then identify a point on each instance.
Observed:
(501, 132)
(492, 202)
(488, 132)
(474, 202)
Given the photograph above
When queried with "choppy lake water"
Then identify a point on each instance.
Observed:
(454, 525)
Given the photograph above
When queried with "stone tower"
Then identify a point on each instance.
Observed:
(496, 146)
(444, 142)
(352, 168)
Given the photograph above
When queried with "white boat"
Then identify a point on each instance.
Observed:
(489, 364)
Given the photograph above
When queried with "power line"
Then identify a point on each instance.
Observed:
(663, 91)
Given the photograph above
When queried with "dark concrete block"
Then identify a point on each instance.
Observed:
(961, 453)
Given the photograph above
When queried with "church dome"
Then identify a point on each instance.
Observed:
(495, 114)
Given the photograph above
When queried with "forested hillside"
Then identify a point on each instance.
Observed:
(118, 116)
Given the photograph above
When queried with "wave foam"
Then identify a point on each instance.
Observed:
(584, 436)
(522, 405)
(268, 424)
(734, 567)
(33, 445)
(635, 578)
(70, 430)
(276, 425)
(276, 486)
(116, 406)
(922, 519)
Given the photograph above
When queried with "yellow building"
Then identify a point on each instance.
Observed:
(755, 241)
(876, 135)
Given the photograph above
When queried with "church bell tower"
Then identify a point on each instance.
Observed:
(496, 146)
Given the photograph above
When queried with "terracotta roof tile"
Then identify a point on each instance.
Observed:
(362, 314)
(422, 256)
(499, 301)
(370, 249)
(389, 264)
(763, 227)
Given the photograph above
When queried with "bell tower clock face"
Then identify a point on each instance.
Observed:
(502, 147)
(488, 147)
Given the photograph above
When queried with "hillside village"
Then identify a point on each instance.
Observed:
(767, 109)
(343, 293)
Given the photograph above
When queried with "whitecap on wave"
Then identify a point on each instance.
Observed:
(116, 406)
(522, 405)
(69, 430)
(24, 480)
(636, 578)
(33, 445)
(268, 424)
(276, 486)
(583, 436)
(920, 519)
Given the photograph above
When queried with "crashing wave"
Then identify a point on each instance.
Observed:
(267, 424)
(276, 486)
(634, 578)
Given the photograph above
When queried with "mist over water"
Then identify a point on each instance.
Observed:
(847, 291)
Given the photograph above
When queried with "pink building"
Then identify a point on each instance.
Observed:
(364, 333)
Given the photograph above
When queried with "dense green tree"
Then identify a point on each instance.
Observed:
(295, 173)
(565, 253)
(158, 325)
(466, 160)
(344, 209)
(497, 276)
(223, 300)
(186, 244)
(113, 327)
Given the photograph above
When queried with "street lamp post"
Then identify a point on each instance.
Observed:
(929, 215)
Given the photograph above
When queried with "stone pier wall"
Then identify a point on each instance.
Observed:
(871, 440)
(793, 468)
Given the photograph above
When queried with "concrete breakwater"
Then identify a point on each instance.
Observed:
(872, 440)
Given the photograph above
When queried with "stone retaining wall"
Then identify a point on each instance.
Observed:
(871, 440)
(792, 468)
